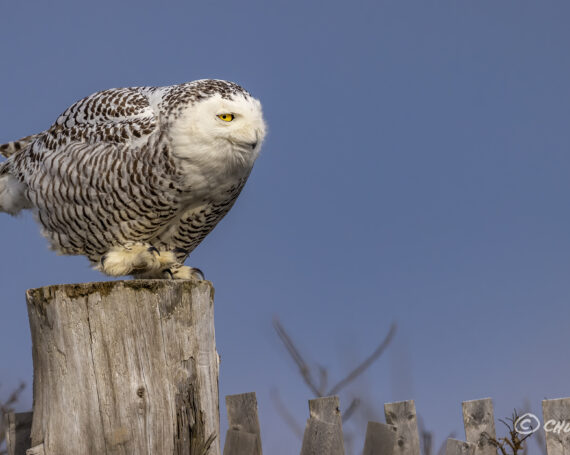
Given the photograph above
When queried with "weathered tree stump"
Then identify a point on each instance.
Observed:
(124, 367)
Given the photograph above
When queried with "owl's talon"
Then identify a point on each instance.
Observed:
(170, 275)
(152, 249)
(197, 272)
(183, 272)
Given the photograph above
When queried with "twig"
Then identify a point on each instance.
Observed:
(323, 378)
(6, 408)
(297, 358)
(350, 410)
(319, 390)
(367, 362)
(13, 398)
(513, 441)
(282, 409)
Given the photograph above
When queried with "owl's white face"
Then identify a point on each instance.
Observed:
(218, 132)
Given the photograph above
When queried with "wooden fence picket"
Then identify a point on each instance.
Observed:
(402, 415)
(244, 435)
(240, 443)
(18, 432)
(457, 447)
(479, 423)
(557, 412)
(323, 433)
(380, 439)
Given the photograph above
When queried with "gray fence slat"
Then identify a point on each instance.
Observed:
(18, 432)
(380, 439)
(323, 433)
(457, 447)
(36, 450)
(557, 412)
(479, 423)
(402, 415)
(326, 409)
(241, 443)
(243, 425)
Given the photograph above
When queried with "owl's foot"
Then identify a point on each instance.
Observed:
(136, 259)
(183, 272)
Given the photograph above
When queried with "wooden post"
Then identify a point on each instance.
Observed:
(457, 447)
(18, 432)
(479, 423)
(556, 421)
(124, 367)
(323, 433)
(402, 415)
(243, 436)
(380, 439)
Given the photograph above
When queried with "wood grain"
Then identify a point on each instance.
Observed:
(125, 367)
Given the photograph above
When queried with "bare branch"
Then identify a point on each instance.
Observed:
(540, 441)
(513, 440)
(285, 414)
(350, 410)
(323, 378)
(13, 398)
(538, 436)
(7, 407)
(318, 386)
(366, 363)
(427, 441)
(298, 359)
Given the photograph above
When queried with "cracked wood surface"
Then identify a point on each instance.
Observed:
(125, 367)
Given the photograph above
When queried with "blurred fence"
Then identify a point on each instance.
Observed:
(399, 436)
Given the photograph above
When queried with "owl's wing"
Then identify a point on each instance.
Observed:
(114, 116)
(99, 178)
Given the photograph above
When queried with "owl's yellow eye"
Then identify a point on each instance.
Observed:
(226, 117)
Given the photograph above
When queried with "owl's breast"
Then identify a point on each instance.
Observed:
(197, 220)
(210, 172)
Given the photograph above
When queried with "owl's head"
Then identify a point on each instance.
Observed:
(223, 122)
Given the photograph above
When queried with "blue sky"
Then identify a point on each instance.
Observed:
(416, 170)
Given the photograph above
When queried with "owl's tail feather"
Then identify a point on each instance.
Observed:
(12, 147)
(13, 192)
(12, 195)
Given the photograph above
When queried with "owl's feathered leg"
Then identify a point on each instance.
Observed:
(183, 272)
(174, 272)
(136, 259)
(177, 270)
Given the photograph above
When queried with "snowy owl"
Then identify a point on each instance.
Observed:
(135, 178)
